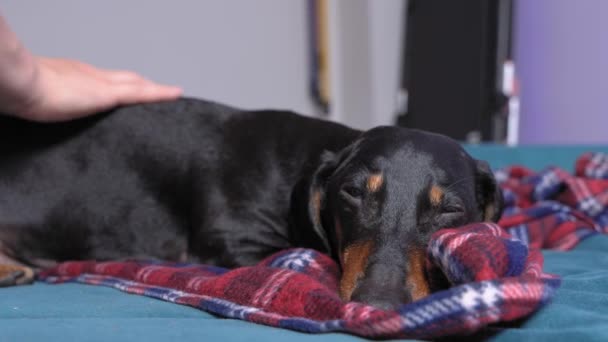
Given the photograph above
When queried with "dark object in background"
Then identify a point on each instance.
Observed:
(452, 67)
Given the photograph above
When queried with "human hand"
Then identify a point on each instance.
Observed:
(63, 89)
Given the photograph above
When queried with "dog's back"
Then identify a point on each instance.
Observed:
(195, 181)
(167, 180)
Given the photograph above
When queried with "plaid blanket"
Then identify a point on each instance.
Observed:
(495, 270)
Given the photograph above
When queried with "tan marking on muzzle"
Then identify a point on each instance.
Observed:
(488, 212)
(354, 262)
(436, 195)
(416, 282)
(374, 182)
(316, 204)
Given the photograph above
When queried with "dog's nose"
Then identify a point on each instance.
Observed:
(382, 286)
(379, 300)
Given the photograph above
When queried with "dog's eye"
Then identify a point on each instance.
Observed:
(351, 193)
(452, 209)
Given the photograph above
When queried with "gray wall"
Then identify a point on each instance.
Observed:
(247, 53)
(365, 55)
(386, 27)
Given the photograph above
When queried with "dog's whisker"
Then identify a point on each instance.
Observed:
(449, 187)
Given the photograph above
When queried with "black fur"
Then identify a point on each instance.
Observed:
(203, 182)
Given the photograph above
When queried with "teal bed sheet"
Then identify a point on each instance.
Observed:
(75, 312)
(579, 312)
(534, 157)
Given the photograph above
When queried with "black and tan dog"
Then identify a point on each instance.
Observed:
(202, 182)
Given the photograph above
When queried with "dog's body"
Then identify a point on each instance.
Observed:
(202, 182)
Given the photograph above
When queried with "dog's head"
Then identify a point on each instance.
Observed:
(376, 203)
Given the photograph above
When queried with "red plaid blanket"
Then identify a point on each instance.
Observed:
(495, 270)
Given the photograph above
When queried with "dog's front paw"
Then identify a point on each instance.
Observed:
(12, 275)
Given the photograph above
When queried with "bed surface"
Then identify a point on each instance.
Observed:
(75, 312)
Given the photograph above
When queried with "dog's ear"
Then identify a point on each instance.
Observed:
(489, 195)
(318, 193)
(307, 201)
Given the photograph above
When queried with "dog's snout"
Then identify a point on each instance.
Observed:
(382, 286)
(388, 279)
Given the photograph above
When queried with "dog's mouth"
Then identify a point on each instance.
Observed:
(369, 277)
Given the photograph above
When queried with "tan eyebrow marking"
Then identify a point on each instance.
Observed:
(374, 182)
(436, 195)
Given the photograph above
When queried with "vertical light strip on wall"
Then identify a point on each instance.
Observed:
(319, 47)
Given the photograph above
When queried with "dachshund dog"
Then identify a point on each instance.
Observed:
(197, 181)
